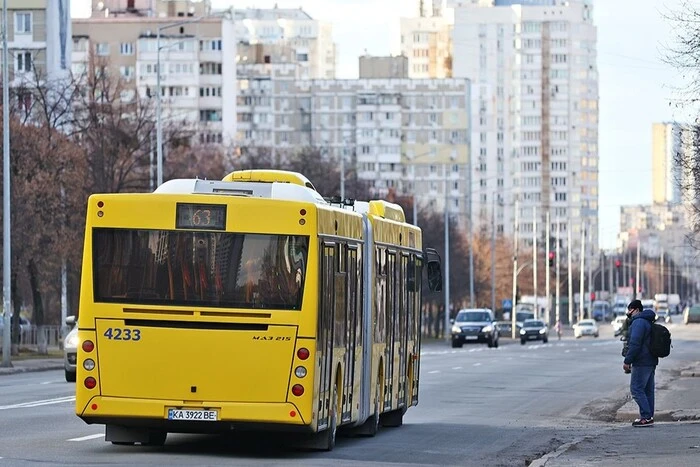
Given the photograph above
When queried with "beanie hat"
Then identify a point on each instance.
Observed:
(635, 305)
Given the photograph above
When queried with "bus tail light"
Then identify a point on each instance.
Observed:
(90, 382)
(89, 364)
(300, 372)
(303, 353)
(297, 389)
(88, 346)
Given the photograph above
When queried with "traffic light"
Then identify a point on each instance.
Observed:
(618, 263)
(551, 258)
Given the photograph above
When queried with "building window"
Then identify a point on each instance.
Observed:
(102, 49)
(127, 72)
(209, 115)
(126, 48)
(23, 62)
(23, 23)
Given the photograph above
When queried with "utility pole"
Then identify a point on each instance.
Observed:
(447, 266)
(547, 292)
(636, 286)
(515, 270)
(534, 260)
(557, 296)
(6, 230)
(570, 274)
(493, 252)
(582, 297)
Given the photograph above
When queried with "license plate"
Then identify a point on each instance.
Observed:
(193, 414)
(471, 338)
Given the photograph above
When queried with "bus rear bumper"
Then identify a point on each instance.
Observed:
(153, 414)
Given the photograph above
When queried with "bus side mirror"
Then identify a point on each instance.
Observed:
(434, 270)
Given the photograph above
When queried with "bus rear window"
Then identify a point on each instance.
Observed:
(215, 269)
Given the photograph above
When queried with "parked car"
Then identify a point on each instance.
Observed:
(70, 350)
(691, 314)
(617, 324)
(586, 327)
(619, 309)
(534, 329)
(474, 325)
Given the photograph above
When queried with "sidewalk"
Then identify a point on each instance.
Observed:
(32, 364)
(674, 440)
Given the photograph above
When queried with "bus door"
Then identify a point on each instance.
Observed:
(325, 332)
(390, 326)
(351, 318)
(401, 331)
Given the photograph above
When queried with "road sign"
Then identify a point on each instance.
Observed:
(507, 304)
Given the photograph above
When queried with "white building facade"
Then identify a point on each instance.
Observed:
(534, 112)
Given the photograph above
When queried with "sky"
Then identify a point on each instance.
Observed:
(635, 84)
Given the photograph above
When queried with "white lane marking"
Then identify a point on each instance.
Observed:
(433, 372)
(477, 364)
(456, 367)
(88, 437)
(58, 400)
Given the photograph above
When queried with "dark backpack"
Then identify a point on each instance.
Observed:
(659, 341)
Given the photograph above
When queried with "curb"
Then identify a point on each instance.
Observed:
(15, 370)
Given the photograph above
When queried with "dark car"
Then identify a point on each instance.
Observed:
(474, 325)
(534, 329)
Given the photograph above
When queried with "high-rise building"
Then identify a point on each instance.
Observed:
(534, 111)
(311, 40)
(38, 40)
(665, 170)
(426, 42)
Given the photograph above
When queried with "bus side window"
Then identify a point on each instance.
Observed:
(411, 274)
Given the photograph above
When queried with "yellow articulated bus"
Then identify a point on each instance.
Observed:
(248, 303)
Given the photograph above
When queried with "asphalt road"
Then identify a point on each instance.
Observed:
(478, 406)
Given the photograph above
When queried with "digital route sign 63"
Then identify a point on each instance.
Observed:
(200, 216)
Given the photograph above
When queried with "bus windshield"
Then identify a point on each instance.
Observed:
(210, 269)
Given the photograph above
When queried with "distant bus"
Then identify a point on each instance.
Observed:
(248, 303)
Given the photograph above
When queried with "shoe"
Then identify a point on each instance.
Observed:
(643, 422)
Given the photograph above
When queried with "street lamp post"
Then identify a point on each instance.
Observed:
(6, 254)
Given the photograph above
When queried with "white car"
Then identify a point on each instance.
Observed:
(586, 327)
(617, 324)
(663, 315)
(70, 350)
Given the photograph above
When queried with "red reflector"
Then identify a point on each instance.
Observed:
(297, 389)
(303, 353)
(93, 406)
(302, 212)
(88, 346)
(292, 414)
(90, 382)
(100, 204)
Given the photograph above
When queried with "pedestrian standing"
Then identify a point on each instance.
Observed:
(641, 362)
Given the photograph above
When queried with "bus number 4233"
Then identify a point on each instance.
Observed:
(119, 334)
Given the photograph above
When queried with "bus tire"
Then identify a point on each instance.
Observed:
(330, 434)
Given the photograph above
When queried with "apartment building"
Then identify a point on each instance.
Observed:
(534, 112)
(197, 78)
(427, 42)
(402, 134)
(39, 40)
(311, 40)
